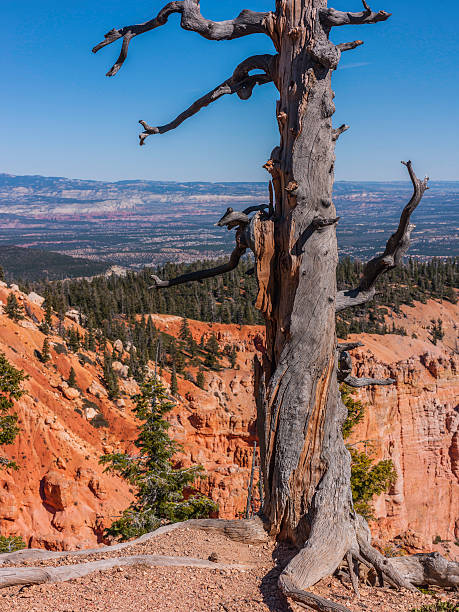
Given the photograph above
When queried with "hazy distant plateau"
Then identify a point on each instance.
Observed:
(135, 223)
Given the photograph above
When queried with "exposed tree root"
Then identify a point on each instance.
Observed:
(311, 600)
(312, 563)
(16, 576)
(428, 569)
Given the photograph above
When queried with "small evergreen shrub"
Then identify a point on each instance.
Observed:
(11, 544)
(60, 349)
(368, 478)
(355, 411)
(99, 421)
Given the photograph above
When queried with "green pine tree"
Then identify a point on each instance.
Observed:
(11, 390)
(72, 378)
(45, 354)
(49, 314)
(13, 309)
(212, 345)
(110, 378)
(73, 339)
(233, 357)
(159, 485)
(200, 380)
(184, 333)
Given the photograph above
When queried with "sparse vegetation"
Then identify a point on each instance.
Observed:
(436, 331)
(439, 606)
(99, 421)
(13, 309)
(368, 478)
(163, 491)
(11, 390)
(10, 544)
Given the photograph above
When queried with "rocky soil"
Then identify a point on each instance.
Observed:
(143, 588)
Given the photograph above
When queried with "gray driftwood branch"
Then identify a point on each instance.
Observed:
(345, 370)
(199, 275)
(240, 83)
(330, 17)
(247, 22)
(396, 248)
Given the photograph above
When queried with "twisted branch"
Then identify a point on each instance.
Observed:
(330, 17)
(199, 275)
(345, 369)
(247, 22)
(397, 246)
(240, 83)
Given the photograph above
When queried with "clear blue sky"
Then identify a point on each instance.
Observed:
(60, 116)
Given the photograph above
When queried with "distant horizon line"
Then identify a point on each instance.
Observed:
(197, 181)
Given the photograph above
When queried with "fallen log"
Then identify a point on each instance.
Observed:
(248, 530)
(26, 576)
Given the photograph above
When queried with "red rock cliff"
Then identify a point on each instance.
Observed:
(60, 497)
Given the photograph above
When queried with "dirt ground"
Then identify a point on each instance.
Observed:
(160, 589)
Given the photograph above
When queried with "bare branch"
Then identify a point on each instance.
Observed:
(240, 83)
(247, 22)
(232, 219)
(199, 275)
(252, 209)
(397, 246)
(348, 346)
(321, 222)
(345, 369)
(129, 32)
(337, 133)
(357, 383)
(330, 17)
(306, 598)
(350, 45)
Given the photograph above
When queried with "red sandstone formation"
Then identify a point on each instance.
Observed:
(60, 498)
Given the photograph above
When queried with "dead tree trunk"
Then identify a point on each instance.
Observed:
(300, 414)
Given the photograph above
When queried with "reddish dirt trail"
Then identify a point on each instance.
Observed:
(153, 589)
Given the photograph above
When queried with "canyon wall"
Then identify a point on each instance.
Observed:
(60, 498)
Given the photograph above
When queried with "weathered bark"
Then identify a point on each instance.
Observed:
(299, 369)
(430, 569)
